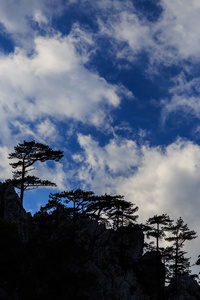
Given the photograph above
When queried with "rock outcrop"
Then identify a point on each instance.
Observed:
(53, 256)
(187, 289)
(151, 275)
(103, 263)
(12, 210)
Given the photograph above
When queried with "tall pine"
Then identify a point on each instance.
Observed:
(179, 234)
(27, 154)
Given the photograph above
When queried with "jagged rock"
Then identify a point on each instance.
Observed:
(63, 258)
(187, 289)
(102, 261)
(12, 210)
(151, 275)
(114, 254)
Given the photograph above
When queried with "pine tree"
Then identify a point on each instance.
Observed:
(77, 199)
(157, 232)
(180, 234)
(98, 207)
(121, 212)
(28, 154)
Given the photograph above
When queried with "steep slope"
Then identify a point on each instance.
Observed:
(51, 256)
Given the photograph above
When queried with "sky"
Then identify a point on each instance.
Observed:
(116, 86)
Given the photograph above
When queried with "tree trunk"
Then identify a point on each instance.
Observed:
(22, 183)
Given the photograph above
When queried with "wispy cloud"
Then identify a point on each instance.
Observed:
(184, 98)
(173, 37)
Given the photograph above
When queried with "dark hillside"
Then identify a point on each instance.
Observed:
(48, 256)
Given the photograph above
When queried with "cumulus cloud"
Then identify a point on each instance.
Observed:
(53, 172)
(158, 180)
(54, 81)
(57, 67)
(179, 27)
(111, 156)
(48, 81)
(172, 37)
(16, 16)
(5, 168)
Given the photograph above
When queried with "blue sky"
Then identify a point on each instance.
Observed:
(115, 85)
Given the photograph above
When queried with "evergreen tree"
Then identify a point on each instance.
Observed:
(155, 227)
(77, 199)
(180, 233)
(166, 255)
(98, 206)
(157, 232)
(121, 212)
(53, 206)
(28, 154)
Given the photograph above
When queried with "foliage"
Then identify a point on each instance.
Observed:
(45, 265)
(121, 212)
(110, 209)
(53, 231)
(28, 154)
(77, 200)
(180, 233)
(157, 232)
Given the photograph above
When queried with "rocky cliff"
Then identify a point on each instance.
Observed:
(100, 263)
(51, 256)
(12, 210)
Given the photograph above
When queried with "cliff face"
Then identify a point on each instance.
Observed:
(99, 263)
(111, 257)
(51, 256)
(187, 289)
(12, 210)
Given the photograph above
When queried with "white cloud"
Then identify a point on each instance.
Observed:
(179, 27)
(184, 98)
(173, 38)
(111, 157)
(40, 18)
(55, 173)
(46, 131)
(16, 15)
(124, 26)
(157, 180)
(5, 169)
(54, 81)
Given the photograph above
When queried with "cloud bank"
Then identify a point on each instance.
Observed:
(157, 179)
